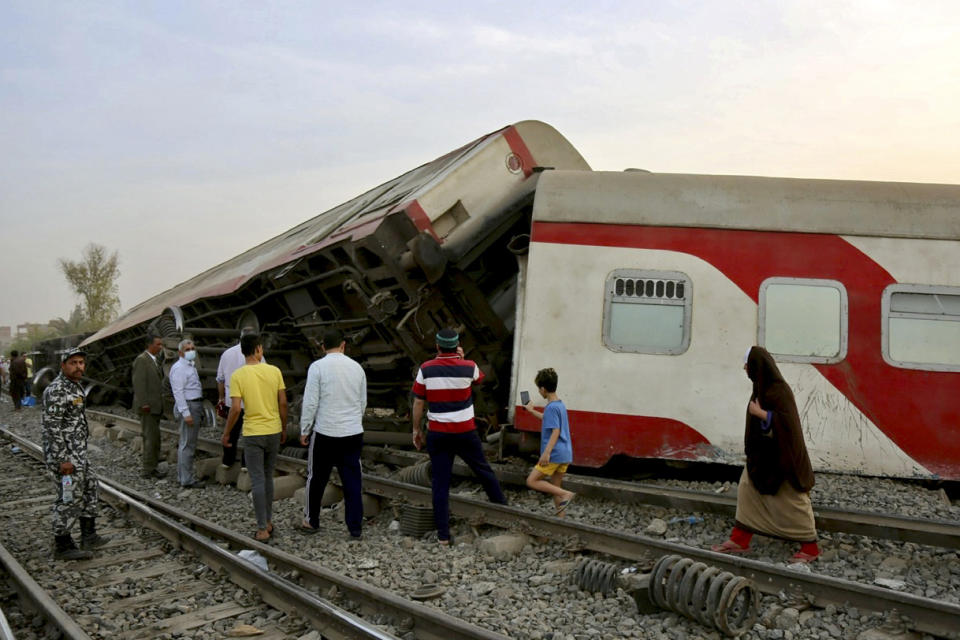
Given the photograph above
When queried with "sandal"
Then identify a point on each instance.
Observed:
(266, 540)
(801, 557)
(306, 529)
(563, 504)
(729, 547)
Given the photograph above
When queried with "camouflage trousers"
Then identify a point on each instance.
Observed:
(84, 505)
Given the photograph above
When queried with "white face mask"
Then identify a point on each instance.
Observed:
(190, 355)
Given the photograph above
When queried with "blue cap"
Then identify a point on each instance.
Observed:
(448, 338)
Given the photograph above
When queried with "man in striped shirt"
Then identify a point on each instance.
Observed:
(445, 384)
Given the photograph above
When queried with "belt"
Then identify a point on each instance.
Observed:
(194, 399)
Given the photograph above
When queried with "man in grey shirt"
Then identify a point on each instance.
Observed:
(331, 419)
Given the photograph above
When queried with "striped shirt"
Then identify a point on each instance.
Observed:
(445, 383)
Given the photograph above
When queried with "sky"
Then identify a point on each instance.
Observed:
(180, 134)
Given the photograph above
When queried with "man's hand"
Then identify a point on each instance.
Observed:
(304, 439)
(225, 440)
(188, 419)
(418, 439)
(66, 468)
(544, 458)
(145, 409)
(283, 435)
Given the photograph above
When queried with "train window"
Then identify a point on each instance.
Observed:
(803, 320)
(921, 327)
(647, 311)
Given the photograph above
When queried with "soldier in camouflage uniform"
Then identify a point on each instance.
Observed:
(65, 453)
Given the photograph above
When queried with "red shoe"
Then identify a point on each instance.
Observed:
(729, 547)
(801, 557)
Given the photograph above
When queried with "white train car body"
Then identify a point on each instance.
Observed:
(644, 291)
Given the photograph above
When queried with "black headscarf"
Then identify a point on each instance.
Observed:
(778, 454)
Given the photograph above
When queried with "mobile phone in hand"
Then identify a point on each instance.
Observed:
(524, 398)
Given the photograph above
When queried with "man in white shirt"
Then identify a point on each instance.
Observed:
(231, 360)
(188, 409)
(331, 419)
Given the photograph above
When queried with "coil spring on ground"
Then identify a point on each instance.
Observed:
(418, 474)
(597, 576)
(706, 594)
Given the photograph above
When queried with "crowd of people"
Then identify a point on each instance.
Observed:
(773, 495)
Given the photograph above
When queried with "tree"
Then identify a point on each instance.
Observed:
(76, 323)
(94, 279)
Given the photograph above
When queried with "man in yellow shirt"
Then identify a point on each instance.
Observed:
(260, 388)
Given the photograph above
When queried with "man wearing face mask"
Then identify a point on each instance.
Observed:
(188, 408)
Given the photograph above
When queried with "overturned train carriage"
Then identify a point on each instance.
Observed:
(434, 247)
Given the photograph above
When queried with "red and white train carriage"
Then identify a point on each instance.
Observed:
(644, 291)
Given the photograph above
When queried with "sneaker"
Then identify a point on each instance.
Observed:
(199, 484)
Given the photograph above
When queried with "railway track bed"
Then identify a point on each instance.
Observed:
(513, 594)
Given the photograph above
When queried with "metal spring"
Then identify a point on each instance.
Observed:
(705, 594)
(418, 474)
(597, 576)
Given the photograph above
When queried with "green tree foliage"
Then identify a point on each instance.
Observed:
(94, 279)
(76, 323)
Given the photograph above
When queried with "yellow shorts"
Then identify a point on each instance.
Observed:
(551, 468)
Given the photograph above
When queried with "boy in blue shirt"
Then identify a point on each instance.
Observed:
(556, 451)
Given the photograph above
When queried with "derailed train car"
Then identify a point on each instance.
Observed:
(429, 249)
(645, 290)
(642, 290)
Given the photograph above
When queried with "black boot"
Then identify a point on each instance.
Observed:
(88, 534)
(65, 549)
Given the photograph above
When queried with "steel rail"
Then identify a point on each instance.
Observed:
(330, 620)
(428, 623)
(38, 599)
(935, 533)
(928, 615)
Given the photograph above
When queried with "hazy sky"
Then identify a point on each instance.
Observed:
(182, 133)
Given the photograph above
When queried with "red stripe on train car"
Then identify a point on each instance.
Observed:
(420, 219)
(598, 436)
(519, 147)
(918, 410)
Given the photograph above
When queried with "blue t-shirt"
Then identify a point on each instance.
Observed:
(555, 417)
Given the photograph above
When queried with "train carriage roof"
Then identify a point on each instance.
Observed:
(354, 218)
(845, 207)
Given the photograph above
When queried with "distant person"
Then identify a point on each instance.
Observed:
(4, 371)
(65, 435)
(259, 386)
(773, 497)
(148, 401)
(18, 377)
(556, 451)
(28, 382)
(331, 419)
(445, 383)
(188, 408)
(230, 360)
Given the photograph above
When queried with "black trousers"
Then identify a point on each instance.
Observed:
(442, 448)
(344, 454)
(230, 453)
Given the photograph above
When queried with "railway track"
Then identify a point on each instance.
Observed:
(938, 533)
(118, 578)
(926, 615)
